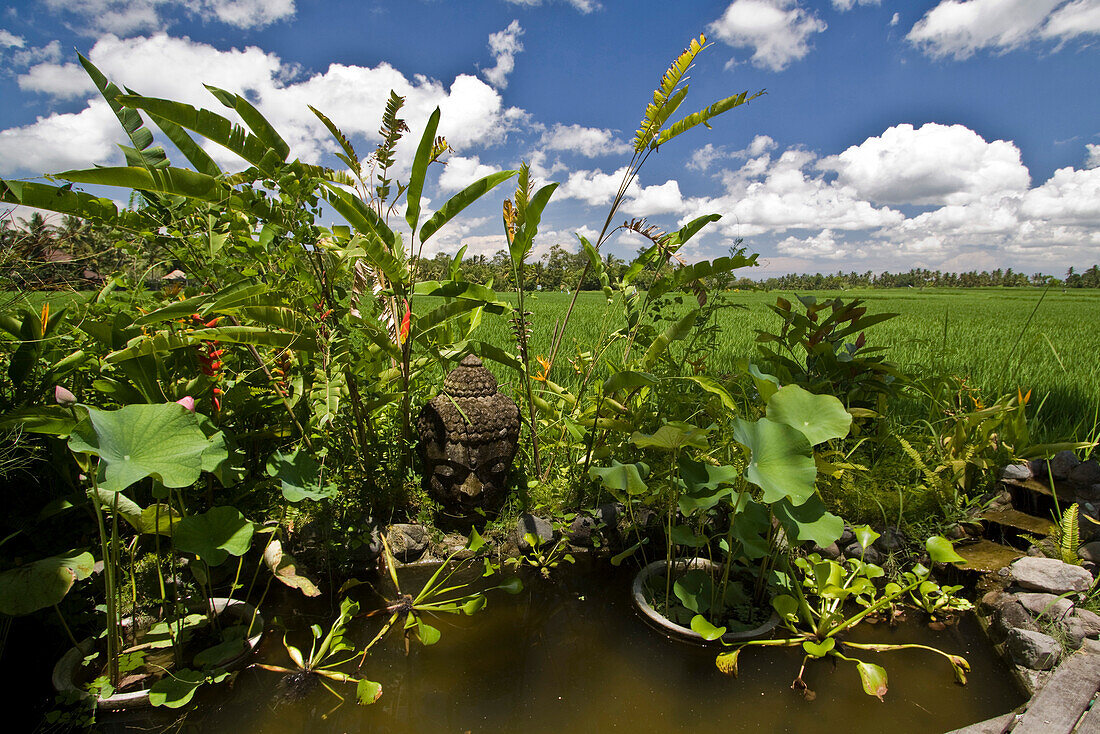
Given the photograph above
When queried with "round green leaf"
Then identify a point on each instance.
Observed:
(940, 550)
(214, 535)
(672, 437)
(781, 461)
(176, 689)
(42, 583)
(706, 630)
(622, 479)
(367, 692)
(818, 417)
(301, 476)
(162, 441)
(809, 521)
(819, 649)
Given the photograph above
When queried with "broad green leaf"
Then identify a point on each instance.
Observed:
(162, 441)
(819, 649)
(694, 589)
(623, 480)
(511, 585)
(159, 518)
(703, 484)
(865, 535)
(706, 630)
(727, 662)
(750, 528)
(808, 521)
(428, 635)
(474, 605)
(683, 535)
(367, 692)
(178, 181)
(214, 535)
(873, 678)
(461, 200)
(300, 476)
(766, 385)
(191, 150)
(176, 689)
(128, 510)
(786, 606)
(627, 379)
(475, 542)
(714, 387)
(220, 654)
(256, 122)
(672, 437)
(818, 417)
(420, 171)
(781, 460)
(43, 583)
(65, 200)
(940, 550)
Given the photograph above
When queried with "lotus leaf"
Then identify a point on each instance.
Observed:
(214, 535)
(781, 461)
(818, 417)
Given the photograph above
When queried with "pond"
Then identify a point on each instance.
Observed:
(572, 654)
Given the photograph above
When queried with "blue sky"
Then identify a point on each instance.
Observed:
(947, 134)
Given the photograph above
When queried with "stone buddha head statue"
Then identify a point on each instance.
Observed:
(468, 437)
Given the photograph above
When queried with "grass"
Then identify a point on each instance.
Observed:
(997, 339)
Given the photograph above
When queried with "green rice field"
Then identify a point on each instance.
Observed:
(998, 339)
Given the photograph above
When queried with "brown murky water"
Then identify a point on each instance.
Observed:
(573, 655)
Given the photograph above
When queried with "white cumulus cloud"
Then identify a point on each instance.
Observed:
(584, 6)
(472, 112)
(10, 40)
(460, 171)
(587, 141)
(959, 28)
(61, 81)
(778, 31)
(933, 164)
(846, 5)
(504, 45)
(125, 17)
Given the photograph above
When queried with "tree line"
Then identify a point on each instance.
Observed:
(35, 254)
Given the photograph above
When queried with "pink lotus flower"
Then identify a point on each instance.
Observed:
(188, 402)
(63, 396)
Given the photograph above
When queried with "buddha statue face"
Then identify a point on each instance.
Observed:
(468, 436)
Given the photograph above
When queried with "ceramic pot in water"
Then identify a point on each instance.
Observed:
(664, 624)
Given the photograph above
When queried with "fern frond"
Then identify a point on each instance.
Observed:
(1070, 535)
(667, 97)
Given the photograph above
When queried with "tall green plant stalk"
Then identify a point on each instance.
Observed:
(106, 546)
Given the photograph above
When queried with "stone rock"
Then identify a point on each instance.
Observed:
(1090, 551)
(1049, 575)
(537, 526)
(1016, 472)
(1090, 621)
(992, 602)
(1074, 632)
(407, 541)
(846, 538)
(609, 513)
(870, 555)
(1045, 605)
(582, 530)
(1063, 463)
(1033, 649)
(1085, 474)
(956, 532)
(1012, 616)
(456, 543)
(1038, 468)
(892, 540)
(830, 551)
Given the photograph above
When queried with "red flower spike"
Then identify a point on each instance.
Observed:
(405, 324)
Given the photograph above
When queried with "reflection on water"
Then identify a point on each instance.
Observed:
(572, 655)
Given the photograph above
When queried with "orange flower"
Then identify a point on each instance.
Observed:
(545, 364)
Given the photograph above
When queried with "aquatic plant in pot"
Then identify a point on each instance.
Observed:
(736, 519)
(167, 647)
